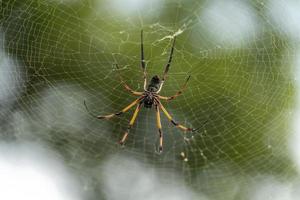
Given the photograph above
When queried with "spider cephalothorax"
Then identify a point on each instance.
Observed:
(152, 89)
(149, 97)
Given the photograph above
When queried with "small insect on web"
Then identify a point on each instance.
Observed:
(149, 97)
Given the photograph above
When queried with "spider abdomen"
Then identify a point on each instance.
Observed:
(154, 84)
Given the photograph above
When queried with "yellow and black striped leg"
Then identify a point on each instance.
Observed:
(172, 121)
(179, 92)
(167, 66)
(138, 108)
(158, 122)
(132, 91)
(114, 114)
(127, 86)
(143, 62)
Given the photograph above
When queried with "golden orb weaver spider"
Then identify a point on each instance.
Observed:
(149, 97)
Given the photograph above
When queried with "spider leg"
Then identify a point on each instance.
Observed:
(114, 114)
(167, 65)
(143, 62)
(158, 122)
(172, 121)
(138, 108)
(126, 86)
(179, 92)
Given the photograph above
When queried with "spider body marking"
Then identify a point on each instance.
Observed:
(149, 97)
(151, 92)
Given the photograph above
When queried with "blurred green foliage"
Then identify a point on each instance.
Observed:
(244, 92)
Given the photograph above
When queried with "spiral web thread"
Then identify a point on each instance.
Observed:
(68, 51)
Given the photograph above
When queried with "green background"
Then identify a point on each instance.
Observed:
(245, 92)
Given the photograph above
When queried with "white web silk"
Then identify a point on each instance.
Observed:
(240, 84)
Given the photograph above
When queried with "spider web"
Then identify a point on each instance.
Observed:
(241, 84)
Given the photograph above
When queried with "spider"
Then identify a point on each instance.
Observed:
(149, 97)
